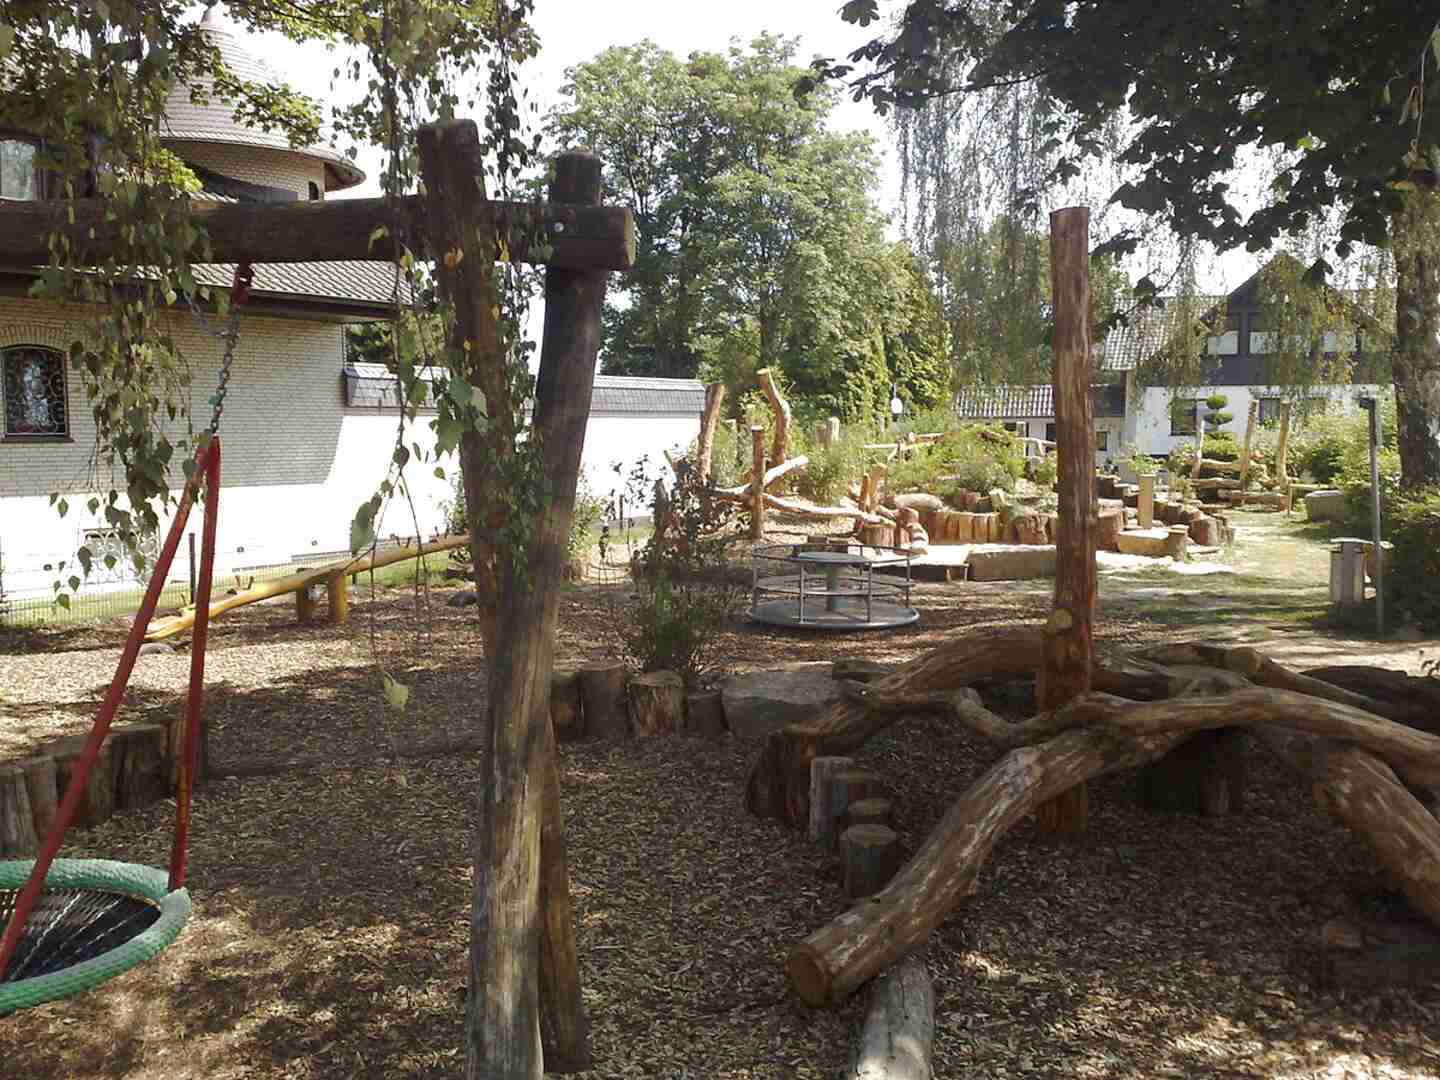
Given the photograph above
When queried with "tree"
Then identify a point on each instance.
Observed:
(1320, 87)
(91, 80)
(757, 241)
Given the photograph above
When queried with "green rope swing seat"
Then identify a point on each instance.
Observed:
(96, 919)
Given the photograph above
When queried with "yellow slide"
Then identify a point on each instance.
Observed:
(297, 582)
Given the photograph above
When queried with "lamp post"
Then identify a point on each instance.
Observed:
(1372, 406)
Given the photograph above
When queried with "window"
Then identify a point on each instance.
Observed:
(1227, 342)
(1102, 439)
(1269, 410)
(1049, 432)
(19, 171)
(314, 191)
(1182, 417)
(1018, 427)
(34, 392)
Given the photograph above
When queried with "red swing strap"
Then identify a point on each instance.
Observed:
(207, 471)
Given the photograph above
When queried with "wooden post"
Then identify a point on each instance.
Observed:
(1145, 506)
(523, 978)
(304, 604)
(822, 818)
(780, 444)
(1068, 647)
(337, 591)
(757, 483)
(1245, 449)
(43, 786)
(1282, 448)
(705, 450)
(829, 431)
(17, 819)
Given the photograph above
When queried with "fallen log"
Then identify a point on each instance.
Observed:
(899, 1032)
(802, 509)
(779, 782)
(744, 492)
(1372, 954)
(1364, 792)
(833, 962)
(1407, 699)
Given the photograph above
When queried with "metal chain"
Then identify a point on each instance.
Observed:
(239, 293)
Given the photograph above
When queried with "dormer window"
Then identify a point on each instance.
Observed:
(19, 169)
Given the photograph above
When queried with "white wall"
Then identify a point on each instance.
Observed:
(1152, 418)
(296, 464)
(1037, 428)
(612, 438)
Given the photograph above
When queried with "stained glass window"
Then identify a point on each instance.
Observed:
(34, 391)
(19, 177)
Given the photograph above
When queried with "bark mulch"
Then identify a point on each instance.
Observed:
(332, 899)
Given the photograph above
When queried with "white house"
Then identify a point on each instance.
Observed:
(1157, 419)
(307, 437)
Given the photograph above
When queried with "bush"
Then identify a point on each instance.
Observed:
(684, 594)
(1411, 521)
(832, 468)
(1047, 471)
(589, 512)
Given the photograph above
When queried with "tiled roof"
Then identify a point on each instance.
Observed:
(1147, 331)
(1032, 402)
(214, 120)
(1005, 403)
(645, 396)
(353, 282)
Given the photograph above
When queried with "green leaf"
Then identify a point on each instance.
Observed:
(63, 507)
(63, 600)
(439, 472)
(396, 693)
(362, 528)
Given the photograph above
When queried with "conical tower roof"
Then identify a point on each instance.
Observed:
(213, 122)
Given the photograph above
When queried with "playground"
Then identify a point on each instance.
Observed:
(333, 858)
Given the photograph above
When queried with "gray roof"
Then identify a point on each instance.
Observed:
(368, 283)
(634, 395)
(214, 120)
(1148, 330)
(1032, 402)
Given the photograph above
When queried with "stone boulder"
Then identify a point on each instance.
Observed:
(1011, 563)
(1325, 506)
(759, 702)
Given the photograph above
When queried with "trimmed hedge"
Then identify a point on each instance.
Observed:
(1410, 520)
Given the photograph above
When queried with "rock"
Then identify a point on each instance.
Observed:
(1151, 542)
(152, 647)
(1012, 562)
(463, 598)
(1325, 506)
(918, 500)
(759, 702)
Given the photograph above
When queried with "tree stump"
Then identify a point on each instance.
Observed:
(17, 820)
(175, 747)
(869, 857)
(899, 1033)
(1204, 775)
(602, 697)
(1206, 531)
(566, 716)
(657, 703)
(1029, 529)
(852, 785)
(877, 535)
(1373, 955)
(1177, 542)
(823, 818)
(140, 764)
(870, 812)
(43, 787)
(98, 802)
(1109, 525)
(705, 715)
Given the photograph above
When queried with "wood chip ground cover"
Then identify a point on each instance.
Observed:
(330, 928)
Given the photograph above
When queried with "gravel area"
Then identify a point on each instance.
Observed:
(332, 903)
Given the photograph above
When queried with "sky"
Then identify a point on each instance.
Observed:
(572, 32)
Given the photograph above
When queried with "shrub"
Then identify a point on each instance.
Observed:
(832, 468)
(1047, 471)
(588, 513)
(1411, 521)
(683, 594)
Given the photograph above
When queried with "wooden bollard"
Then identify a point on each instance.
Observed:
(567, 718)
(1145, 507)
(657, 703)
(337, 593)
(822, 815)
(869, 857)
(602, 696)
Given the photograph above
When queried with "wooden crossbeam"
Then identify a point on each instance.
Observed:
(579, 237)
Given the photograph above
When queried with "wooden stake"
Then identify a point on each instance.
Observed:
(714, 398)
(337, 591)
(1068, 647)
(1282, 448)
(1245, 449)
(1145, 505)
(757, 483)
(780, 444)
